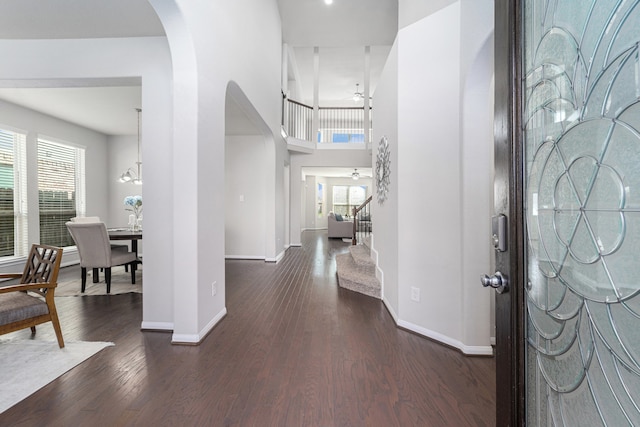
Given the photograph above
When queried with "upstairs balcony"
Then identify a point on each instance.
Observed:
(307, 129)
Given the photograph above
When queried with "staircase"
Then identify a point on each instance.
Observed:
(357, 271)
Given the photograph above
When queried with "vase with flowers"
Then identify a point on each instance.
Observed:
(134, 204)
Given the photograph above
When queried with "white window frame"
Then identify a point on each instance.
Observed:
(20, 201)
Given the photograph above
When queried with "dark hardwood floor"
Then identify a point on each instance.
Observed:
(294, 350)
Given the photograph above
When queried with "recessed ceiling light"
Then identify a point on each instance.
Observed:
(328, 1)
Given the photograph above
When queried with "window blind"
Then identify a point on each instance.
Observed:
(60, 190)
(13, 194)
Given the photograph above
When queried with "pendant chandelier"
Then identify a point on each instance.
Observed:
(131, 175)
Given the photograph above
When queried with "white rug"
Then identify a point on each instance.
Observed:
(120, 284)
(28, 365)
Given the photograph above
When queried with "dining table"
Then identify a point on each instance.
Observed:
(126, 234)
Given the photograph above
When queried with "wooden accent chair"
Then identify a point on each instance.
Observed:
(22, 305)
(94, 249)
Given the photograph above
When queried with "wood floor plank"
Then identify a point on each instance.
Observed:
(293, 350)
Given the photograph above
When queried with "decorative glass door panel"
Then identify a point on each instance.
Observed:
(581, 124)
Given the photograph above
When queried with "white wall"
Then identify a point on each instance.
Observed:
(429, 137)
(122, 154)
(441, 224)
(410, 11)
(477, 167)
(36, 125)
(385, 232)
(208, 53)
(245, 203)
(310, 194)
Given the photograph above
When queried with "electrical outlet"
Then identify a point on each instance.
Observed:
(214, 290)
(415, 294)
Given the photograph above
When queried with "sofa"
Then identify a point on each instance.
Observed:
(338, 227)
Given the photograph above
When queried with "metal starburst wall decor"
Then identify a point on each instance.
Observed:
(383, 170)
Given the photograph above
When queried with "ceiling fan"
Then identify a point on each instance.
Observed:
(358, 96)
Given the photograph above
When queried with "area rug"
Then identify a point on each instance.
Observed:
(29, 365)
(120, 284)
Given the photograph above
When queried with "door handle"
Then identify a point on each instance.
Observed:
(497, 282)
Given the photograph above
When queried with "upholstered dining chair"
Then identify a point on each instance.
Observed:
(94, 249)
(31, 302)
(97, 219)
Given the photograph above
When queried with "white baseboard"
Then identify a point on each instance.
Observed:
(194, 339)
(390, 309)
(295, 245)
(480, 350)
(156, 326)
(278, 257)
(249, 257)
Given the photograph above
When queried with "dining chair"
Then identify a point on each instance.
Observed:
(94, 249)
(22, 305)
(87, 219)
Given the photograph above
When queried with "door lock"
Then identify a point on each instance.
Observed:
(499, 232)
(497, 282)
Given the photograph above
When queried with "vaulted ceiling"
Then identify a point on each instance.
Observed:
(340, 31)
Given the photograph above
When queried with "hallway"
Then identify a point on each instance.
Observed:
(294, 350)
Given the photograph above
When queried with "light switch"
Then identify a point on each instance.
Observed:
(242, 197)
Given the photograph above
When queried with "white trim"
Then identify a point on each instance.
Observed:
(492, 340)
(300, 145)
(13, 263)
(13, 128)
(196, 339)
(378, 271)
(390, 309)
(479, 350)
(9, 263)
(249, 257)
(295, 245)
(278, 257)
(156, 326)
(65, 143)
(341, 146)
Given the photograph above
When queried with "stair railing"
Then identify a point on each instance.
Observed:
(362, 220)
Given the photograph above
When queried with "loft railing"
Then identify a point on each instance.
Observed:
(299, 120)
(335, 124)
(362, 225)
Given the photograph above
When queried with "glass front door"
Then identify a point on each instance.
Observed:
(581, 127)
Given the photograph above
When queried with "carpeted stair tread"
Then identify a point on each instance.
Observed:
(362, 255)
(356, 277)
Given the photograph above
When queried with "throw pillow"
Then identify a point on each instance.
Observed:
(339, 217)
